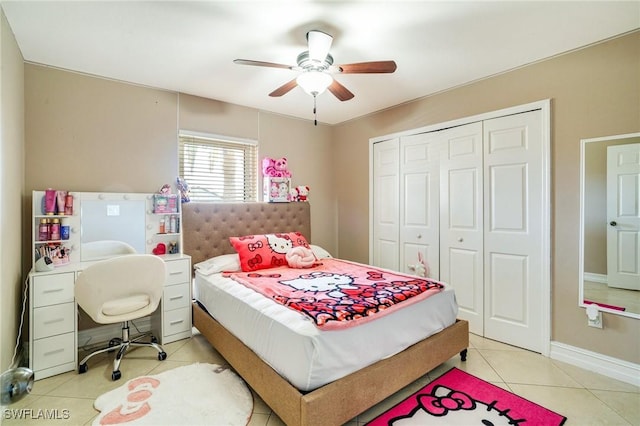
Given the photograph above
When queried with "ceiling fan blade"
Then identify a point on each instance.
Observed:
(339, 91)
(319, 45)
(261, 64)
(284, 89)
(374, 67)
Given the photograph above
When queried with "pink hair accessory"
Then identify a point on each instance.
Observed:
(300, 257)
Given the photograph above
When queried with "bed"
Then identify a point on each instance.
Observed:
(206, 232)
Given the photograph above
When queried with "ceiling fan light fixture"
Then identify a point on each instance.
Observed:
(314, 82)
(319, 45)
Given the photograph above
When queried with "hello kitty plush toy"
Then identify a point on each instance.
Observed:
(303, 193)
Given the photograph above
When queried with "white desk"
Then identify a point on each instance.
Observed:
(53, 319)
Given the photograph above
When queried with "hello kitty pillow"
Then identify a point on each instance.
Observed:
(266, 251)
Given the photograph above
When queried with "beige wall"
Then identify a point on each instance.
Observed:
(11, 188)
(595, 92)
(91, 134)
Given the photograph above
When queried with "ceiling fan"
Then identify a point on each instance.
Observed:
(316, 66)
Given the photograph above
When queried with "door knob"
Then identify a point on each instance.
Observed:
(613, 223)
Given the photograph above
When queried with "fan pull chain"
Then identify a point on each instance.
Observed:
(315, 114)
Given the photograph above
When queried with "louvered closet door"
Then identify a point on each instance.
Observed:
(386, 205)
(513, 229)
(419, 205)
(461, 220)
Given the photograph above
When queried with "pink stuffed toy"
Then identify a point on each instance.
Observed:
(281, 167)
(300, 257)
(268, 167)
(275, 168)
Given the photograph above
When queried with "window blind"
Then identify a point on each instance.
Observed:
(218, 169)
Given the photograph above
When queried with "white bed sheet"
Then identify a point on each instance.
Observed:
(302, 353)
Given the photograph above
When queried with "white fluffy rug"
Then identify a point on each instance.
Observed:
(196, 394)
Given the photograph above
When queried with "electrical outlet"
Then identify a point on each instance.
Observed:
(596, 322)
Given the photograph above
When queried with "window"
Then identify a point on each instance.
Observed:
(219, 168)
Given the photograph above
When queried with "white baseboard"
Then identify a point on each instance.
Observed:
(104, 333)
(618, 369)
(596, 278)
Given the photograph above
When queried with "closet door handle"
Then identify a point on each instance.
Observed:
(613, 223)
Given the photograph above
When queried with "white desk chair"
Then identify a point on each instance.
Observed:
(121, 289)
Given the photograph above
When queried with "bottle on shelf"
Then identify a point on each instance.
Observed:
(50, 201)
(162, 226)
(172, 224)
(64, 228)
(68, 205)
(55, 229)
(43, 230)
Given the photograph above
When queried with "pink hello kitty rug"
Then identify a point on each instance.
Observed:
(197, 394)
(458, 398)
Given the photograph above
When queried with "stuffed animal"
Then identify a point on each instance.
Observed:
(183, 187)
(268, 167)
(421, 268)
(281, 167)
(275, 168)
(302, 193)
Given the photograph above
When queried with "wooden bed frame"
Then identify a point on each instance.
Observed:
(206, 229)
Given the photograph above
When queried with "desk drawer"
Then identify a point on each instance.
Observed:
(178, 271)
(53, 320)
(53, 351)
(52, 289)
(175, 296)
(177, 321)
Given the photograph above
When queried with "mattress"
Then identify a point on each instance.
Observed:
(305, 355)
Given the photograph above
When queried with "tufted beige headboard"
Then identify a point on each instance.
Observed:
(206, 227)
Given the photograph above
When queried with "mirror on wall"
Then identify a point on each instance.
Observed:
(111, 225)
(610, 224)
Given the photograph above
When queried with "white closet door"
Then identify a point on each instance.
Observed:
(461, 223)
(623, 214)
(513, 230)
(386, 204)
(419, 204)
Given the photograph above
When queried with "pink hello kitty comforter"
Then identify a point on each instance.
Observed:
(337, 293)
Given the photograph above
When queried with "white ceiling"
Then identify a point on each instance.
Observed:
(189, 46)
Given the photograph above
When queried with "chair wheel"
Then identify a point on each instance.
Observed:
(154, 339)
(116, 375)
(82, 368)
(162, 356)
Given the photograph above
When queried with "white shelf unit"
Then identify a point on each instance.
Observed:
(53, 329)
(72, 244)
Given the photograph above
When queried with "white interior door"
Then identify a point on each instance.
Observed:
(461, 223)
(419, 202)
(623, 213)
(386, 204)
(513, 230)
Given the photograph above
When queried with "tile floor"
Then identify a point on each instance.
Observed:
(583, 397)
